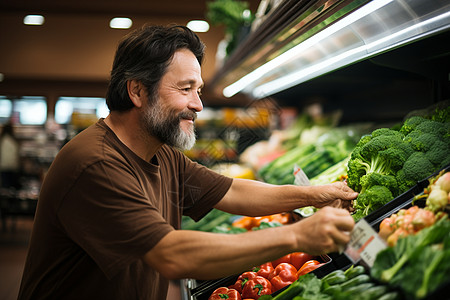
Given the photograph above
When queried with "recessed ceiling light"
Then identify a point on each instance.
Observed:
(198, 26)
(120, 23)
(33, 20)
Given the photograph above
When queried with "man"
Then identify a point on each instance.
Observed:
(107, 224)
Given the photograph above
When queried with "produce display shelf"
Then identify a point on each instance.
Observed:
(404, 201)
(201, 290)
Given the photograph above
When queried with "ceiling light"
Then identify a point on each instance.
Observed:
(198, 26)
(120, 23)
(33, 20)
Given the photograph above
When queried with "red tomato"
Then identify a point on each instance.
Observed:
(283, 259)
(298, 259)
(309, 266)
(225, 293)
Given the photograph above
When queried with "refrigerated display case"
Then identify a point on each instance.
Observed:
(375, 60)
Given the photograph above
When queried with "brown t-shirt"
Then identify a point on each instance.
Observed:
(101, 208)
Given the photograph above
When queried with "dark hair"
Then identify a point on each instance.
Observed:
(144, 55)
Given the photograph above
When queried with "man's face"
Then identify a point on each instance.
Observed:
(171, 116)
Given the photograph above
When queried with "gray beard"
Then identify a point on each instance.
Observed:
(166, 126)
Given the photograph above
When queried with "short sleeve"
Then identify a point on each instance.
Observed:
(203, 188)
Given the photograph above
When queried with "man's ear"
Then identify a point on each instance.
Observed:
(136, 92)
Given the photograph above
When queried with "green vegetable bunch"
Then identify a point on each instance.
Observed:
(388, 162)
(313, 158)
(352, 283)
(418, 264)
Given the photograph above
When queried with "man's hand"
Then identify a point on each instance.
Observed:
(328, 230)
(336, 194)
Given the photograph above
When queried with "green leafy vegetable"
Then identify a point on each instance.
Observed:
(418, 264)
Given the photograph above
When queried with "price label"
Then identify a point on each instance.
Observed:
(364, 244)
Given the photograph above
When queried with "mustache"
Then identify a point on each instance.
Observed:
(188, 114)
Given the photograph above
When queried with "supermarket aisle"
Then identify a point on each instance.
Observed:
(13, 250)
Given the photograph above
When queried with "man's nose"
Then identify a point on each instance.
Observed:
(196, 103)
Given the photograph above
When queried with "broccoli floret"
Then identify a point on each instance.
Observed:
(364, 140)
(374, 197)
(355, 170)
(358, 215)
(383, 154)
(411, 123)
(418, 167)
(404, 184)
(379, 143)
(438, 128)
(442, 115)
(421, 141)
(388, 181)
(356, 167)
(396, 156)
(445, 163)
(439, 153)
(386, 132)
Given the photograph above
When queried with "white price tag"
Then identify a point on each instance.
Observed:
(364, 244)
(300, 177)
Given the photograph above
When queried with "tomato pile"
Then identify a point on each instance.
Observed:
(269, 277)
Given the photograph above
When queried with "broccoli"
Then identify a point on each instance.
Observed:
(421, 141)
(396, 156)
(387, 162)
(404, 183)
(364, 140)
(418, 167)
(445, 163)
(383, 154)
(388, 181)
(386, 132)
(442, 114)
(435, 127)
(356, 167)
(373, 198)
(411, 123)
(439, 153)
(358, 215)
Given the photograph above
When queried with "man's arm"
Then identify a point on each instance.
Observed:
(254, 198)
(203, 255)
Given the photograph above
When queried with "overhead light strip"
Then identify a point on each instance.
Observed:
(290, 54)
(358, 53)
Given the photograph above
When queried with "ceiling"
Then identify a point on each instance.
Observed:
(74, 49)
(129, 8)
(125, 8)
